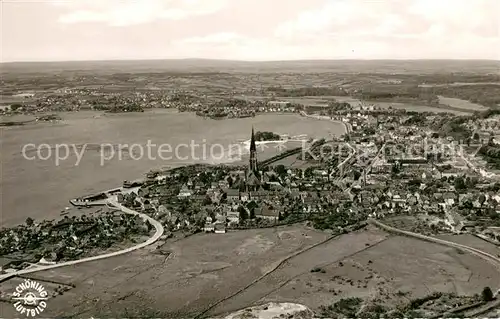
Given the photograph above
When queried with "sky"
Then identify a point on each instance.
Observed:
(65, 30)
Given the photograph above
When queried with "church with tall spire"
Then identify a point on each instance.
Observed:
(253, 176)
(253, 153)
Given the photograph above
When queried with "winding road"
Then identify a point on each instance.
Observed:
(112, 201)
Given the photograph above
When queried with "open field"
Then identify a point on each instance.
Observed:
(305, 100)
(301, 265)
(457, 84)
(415, 83)
(472, 241)
(456, 106)
(8, 100)
(414, 107)
(384, 272)
(205, 268)
(303, 66)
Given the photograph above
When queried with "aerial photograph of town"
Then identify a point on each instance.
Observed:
(237, 159)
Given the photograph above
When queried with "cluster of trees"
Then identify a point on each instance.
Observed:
(457, 77)
(491, 154)
(335, 106)
(414, 184)
(417, 119)
(309, 171)
(354, 307)
(487, 114)
(340, 219)
(487, 294)
(386, 95)
(484, 94)
(219, 109)
(14, 107)
(398, 93)
(29, 221)
(462, 183)
(266, 136)
(281, 170)
(344, 308)
(237, 103)
(368, 130)
(453, 127)
(131, 107)
(246, 213)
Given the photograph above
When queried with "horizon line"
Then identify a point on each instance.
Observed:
(248, 61)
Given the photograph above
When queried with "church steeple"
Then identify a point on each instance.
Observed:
(252, 142)
(252, 180)
(253, 153)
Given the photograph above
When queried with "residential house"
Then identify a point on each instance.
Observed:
(5, 263)
(397, 200)
(411, 199)
(454, 220)
(275, 186)
(162, 210)
(214, 185)
(198, 198)
(259, 195)
(244, 196)
(233, 218)
(220, 217)
(268, 212)
(184, 193)
(209, 225)
(450, 198)
(223, 184)
(143, 192)
(232, 194)
(219, 228)
(120, 198)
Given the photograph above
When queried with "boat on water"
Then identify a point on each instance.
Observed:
(86, 203)
(79, 203)
(152, 174)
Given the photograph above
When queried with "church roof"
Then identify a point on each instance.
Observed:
(253, 178)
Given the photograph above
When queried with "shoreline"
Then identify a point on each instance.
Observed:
(347, 126)
(74, 128)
